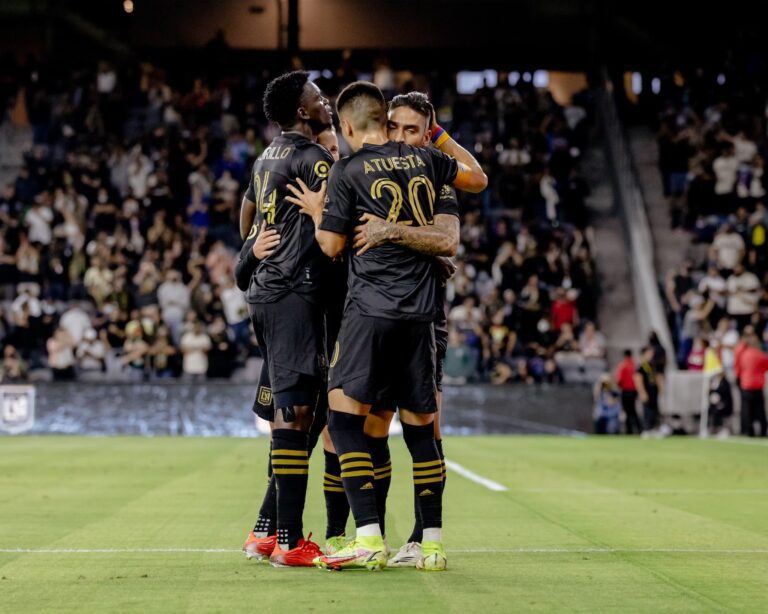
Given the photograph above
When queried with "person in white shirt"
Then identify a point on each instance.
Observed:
(38, 221)
(726, 168)
(743, 296)
(90, 354)
(713, 284)
(195, 346)
(727, 249)
(235, 312)
(75, 321)
(173, 297)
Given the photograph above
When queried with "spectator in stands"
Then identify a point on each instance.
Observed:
(647, 382)
(727, 249)
(61, 357)
(743, 296)
(592, 342)
(607, 407)
(135, 350)
(91, 356)
(726, 167)
(13, 369)
(625, 379)
(751, 366)
(720, 404)
(195, 345)
(174, 299)
(163, 355)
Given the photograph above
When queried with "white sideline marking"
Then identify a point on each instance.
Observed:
(472, 476)
(595, 550)
(646, 491)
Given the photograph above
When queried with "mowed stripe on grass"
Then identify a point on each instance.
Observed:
(585, 525)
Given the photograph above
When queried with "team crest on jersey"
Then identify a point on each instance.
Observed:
(322, 168)
(265, 395)
(252, 233)
(446, 192)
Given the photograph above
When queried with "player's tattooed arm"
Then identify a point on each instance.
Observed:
(438, 239)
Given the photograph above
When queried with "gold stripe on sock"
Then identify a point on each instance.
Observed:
(290, 461)
(356, 474)
(367, 464)
(381, 476)
(436, 479)
(434, 471)
(333, 489)
(425, 464)
(343, 457)
(279, 471)
(289, 453)
(335, 478)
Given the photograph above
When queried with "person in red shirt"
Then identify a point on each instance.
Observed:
(750, 368)
(563, 310)
(625, 372)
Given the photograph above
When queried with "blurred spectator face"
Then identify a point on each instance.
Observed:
(328, 139)
(405, 125)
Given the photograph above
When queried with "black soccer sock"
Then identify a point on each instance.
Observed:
(356, 467)
(266, 522)
(439, 444)
(290, 464)
(427, 473)
(382, 474)
(336, 504)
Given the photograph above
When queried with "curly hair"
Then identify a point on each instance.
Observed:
(282, 97)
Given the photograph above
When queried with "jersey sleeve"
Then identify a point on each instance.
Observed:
(250, 192)
(446, 167)
(447, 203)
(313, 165)
(339, 212)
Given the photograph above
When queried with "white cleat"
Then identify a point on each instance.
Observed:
(408, 555)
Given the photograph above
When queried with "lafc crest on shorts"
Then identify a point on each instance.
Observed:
(265, 395)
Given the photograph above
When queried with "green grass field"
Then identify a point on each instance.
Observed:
(587, 525)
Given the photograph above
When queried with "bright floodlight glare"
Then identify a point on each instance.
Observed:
(541, 78)
(514, 77)
(637, 83)
(128, 6)
(721, 79)
(656, 85)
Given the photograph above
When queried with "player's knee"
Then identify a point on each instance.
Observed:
(416, 419)
(295, 417)
(377, 423)
(414, 434)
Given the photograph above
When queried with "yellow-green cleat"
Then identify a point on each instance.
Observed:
(360, 553)
(334, 544)
(432, 557)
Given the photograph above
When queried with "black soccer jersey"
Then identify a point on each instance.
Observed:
(297, 264)
(396, 182)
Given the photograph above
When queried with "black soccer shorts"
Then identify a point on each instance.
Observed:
(377, 358)
(290, 334)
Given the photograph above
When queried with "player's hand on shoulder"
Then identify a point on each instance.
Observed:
(372, 232)
(266, 242)
(311, 203)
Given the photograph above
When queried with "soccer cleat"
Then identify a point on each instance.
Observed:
(259, 548)
(303, 555)
(360, 553)
(334, 544)
(408, 555)
(433, 557)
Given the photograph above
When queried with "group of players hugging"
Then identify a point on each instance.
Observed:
(344, 266)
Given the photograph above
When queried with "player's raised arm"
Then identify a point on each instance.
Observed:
(470, 177)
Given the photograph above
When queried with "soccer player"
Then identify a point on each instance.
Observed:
(411, 120)
(286, 311)
(385, 347)
(257, 246)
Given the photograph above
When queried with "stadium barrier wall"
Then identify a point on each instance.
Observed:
(224, 409)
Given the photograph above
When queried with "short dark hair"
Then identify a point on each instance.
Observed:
(418, 101)
(282, 97)
(628, 353)
(364, 103)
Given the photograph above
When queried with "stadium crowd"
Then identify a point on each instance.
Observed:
(118, 236)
